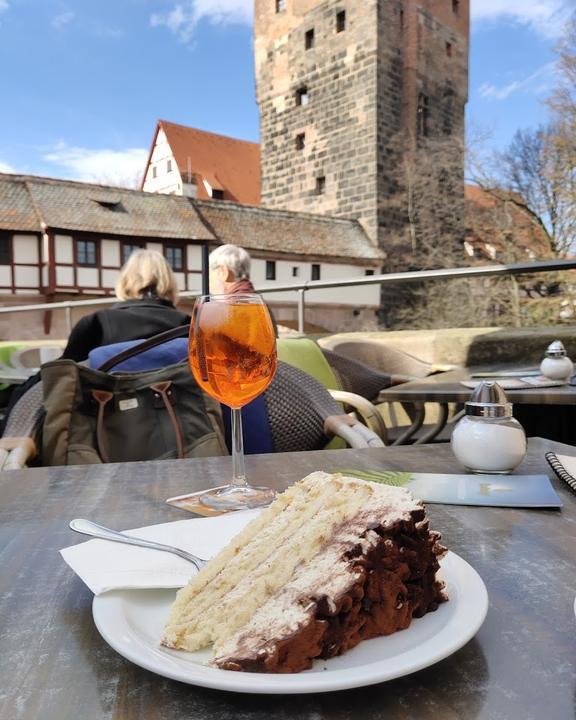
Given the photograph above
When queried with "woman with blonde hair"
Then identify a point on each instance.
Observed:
(148, 293)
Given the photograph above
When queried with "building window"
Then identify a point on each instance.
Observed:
(455, 6)
(315, 274)
(401, 20)
(169, 166)
(302, 97)
(86, 252)
(280, 6)
(5, 249)
(128, 249)
(320, 185)
(295, 271)
(300, 141)
(341, 21)
(154, 171)
(368, 272)
(217, 194)
(309, 39)
(423, 115)
(175, 257)
(270, 270)
(449, 49)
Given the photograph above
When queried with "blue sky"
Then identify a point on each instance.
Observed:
(83, 82)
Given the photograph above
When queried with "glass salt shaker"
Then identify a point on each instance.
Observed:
(556, 364)
(488, 439)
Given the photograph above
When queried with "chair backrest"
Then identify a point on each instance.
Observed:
(379, 355)
(357, 377)
(305, 354)
(298, 406)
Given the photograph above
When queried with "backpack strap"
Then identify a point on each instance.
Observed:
(181, 331)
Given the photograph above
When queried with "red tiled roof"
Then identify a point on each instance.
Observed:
(224, 162)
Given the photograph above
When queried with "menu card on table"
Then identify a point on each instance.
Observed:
(528, 491)
(521, 383)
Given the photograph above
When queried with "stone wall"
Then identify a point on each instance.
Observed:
(363, 87)
(338, 123)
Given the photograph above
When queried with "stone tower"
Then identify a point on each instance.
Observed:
(347, 89)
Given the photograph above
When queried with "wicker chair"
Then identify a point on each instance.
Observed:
(305, 354)
(391, 367)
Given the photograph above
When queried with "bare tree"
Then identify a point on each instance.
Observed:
(536, 167)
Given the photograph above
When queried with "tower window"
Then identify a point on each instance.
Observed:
(217, 194)
(315, 274)
(302, 97)
(270, 269)
(309, 39)
(456, 7)
(401, 19)
(154, 172)
(423, 115)
(320, 185)
(341, 21)
(169, 166)
(449, 49)
(280, 6)
(300, 141)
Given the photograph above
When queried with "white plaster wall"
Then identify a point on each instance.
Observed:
(87, 277)
(25, 248)
(5, 276)
(194, 257)
(164, 182)
(26, 276)
(64, 276)
(64, 249)
(180, 280)
(194, 282)
(368, 295)
(110, 252)
(155, 246)
(44, 276)
(109, 278)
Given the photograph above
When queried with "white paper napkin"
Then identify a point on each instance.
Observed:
(105, 565)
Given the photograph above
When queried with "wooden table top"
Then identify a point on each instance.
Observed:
(447, 387)
(55, 666)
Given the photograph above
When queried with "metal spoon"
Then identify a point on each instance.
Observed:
(87, 527)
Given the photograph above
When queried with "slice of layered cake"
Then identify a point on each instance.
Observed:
(333, 561)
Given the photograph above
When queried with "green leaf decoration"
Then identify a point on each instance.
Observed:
(385, 477)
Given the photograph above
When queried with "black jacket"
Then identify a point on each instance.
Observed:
(129, 320)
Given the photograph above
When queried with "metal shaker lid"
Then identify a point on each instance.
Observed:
(556, 349)
(488, 400)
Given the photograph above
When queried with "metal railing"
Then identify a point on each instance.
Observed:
(310, 285)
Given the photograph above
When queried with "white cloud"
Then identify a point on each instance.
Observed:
(60, 21)
(539, 82)
(546, 17)
(4, 5)
(184, 17)
(114, 167)
(5, 168)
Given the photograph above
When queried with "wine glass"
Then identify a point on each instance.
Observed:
(232, 352)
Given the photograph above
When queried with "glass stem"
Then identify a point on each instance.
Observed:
(238, 472)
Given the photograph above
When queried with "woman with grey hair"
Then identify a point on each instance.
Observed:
(230, 271)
